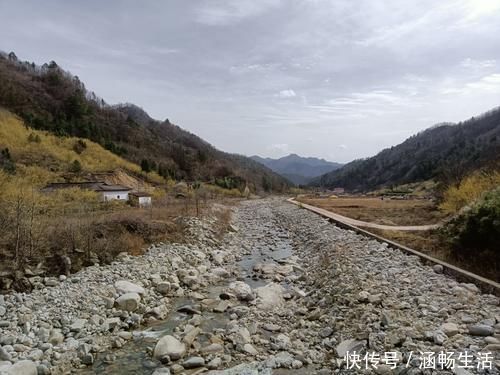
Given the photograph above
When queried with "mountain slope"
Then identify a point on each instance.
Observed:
(300, 170)
(446, 152)
(37, 157)
(49, 98)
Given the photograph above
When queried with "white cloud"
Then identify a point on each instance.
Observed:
(478, 64)
(486, 84)
(223, 13)
(163, 50)
(343, 147)
(490, 83)
(480, 8)
(287, 94)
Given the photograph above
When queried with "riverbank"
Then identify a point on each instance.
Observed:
(284, 291)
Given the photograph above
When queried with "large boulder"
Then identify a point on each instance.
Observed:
(269, 296)
(241, 290)
(124, 287)
(171, 347)
(450, 329)
(22, 368)
(481, 330)
(128, 301)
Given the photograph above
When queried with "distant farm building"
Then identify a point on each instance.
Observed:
(140, 199)
(107, 192)
(338, 190)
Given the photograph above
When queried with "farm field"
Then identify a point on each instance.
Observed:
(381, 211)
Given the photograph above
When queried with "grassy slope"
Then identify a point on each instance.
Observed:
(50, 158)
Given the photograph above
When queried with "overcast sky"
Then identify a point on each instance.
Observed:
(338, 79)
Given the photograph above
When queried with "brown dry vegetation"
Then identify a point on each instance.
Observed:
(386, 211)
(60, 232)
(37, 238)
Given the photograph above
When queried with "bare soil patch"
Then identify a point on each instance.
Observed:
(381, 211)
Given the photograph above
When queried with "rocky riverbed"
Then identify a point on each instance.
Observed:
(284, 292)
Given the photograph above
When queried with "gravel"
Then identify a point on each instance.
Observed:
(283, 289)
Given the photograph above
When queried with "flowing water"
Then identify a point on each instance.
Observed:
(135, 356)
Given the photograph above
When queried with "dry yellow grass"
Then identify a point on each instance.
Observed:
(470, 190)
(55, 154)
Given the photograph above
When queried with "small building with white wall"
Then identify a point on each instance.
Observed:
(107, 192)
(140, 199)
(113, 192)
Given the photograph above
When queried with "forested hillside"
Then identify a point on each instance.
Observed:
(445, 152)
(49, 98)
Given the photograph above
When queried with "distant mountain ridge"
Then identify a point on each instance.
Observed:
(299, 170)
(446, 152)
(49, 98)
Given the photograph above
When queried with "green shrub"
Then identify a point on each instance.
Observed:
(477, 228)
(75, 167)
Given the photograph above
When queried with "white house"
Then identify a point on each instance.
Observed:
(140, 199)
(107, 192)
(113, 192)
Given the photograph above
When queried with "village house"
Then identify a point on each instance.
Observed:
(140, 199)
(107, 192)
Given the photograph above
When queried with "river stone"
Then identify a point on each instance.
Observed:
(128, 301)
(78, 325)
(188, 309)
(162, 371)
(214, 363)
(169, 346)
(249, 349)
(326, 332)
(193, 362)
(191, 336)
(439, 337)
(241, 290)
(221, 306)
(271, 327)
(212, 348)
(22, 368)
(4, 354)
(42, 369)
(269, 296)
(438, 268)
(56, 337)
(176, 369)
(491, 340)
(450, 329)
(163, 287)
(241, 336)
(481, 330)
(220, 272)
(124, 287)
(350, 346)
(280, 360)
